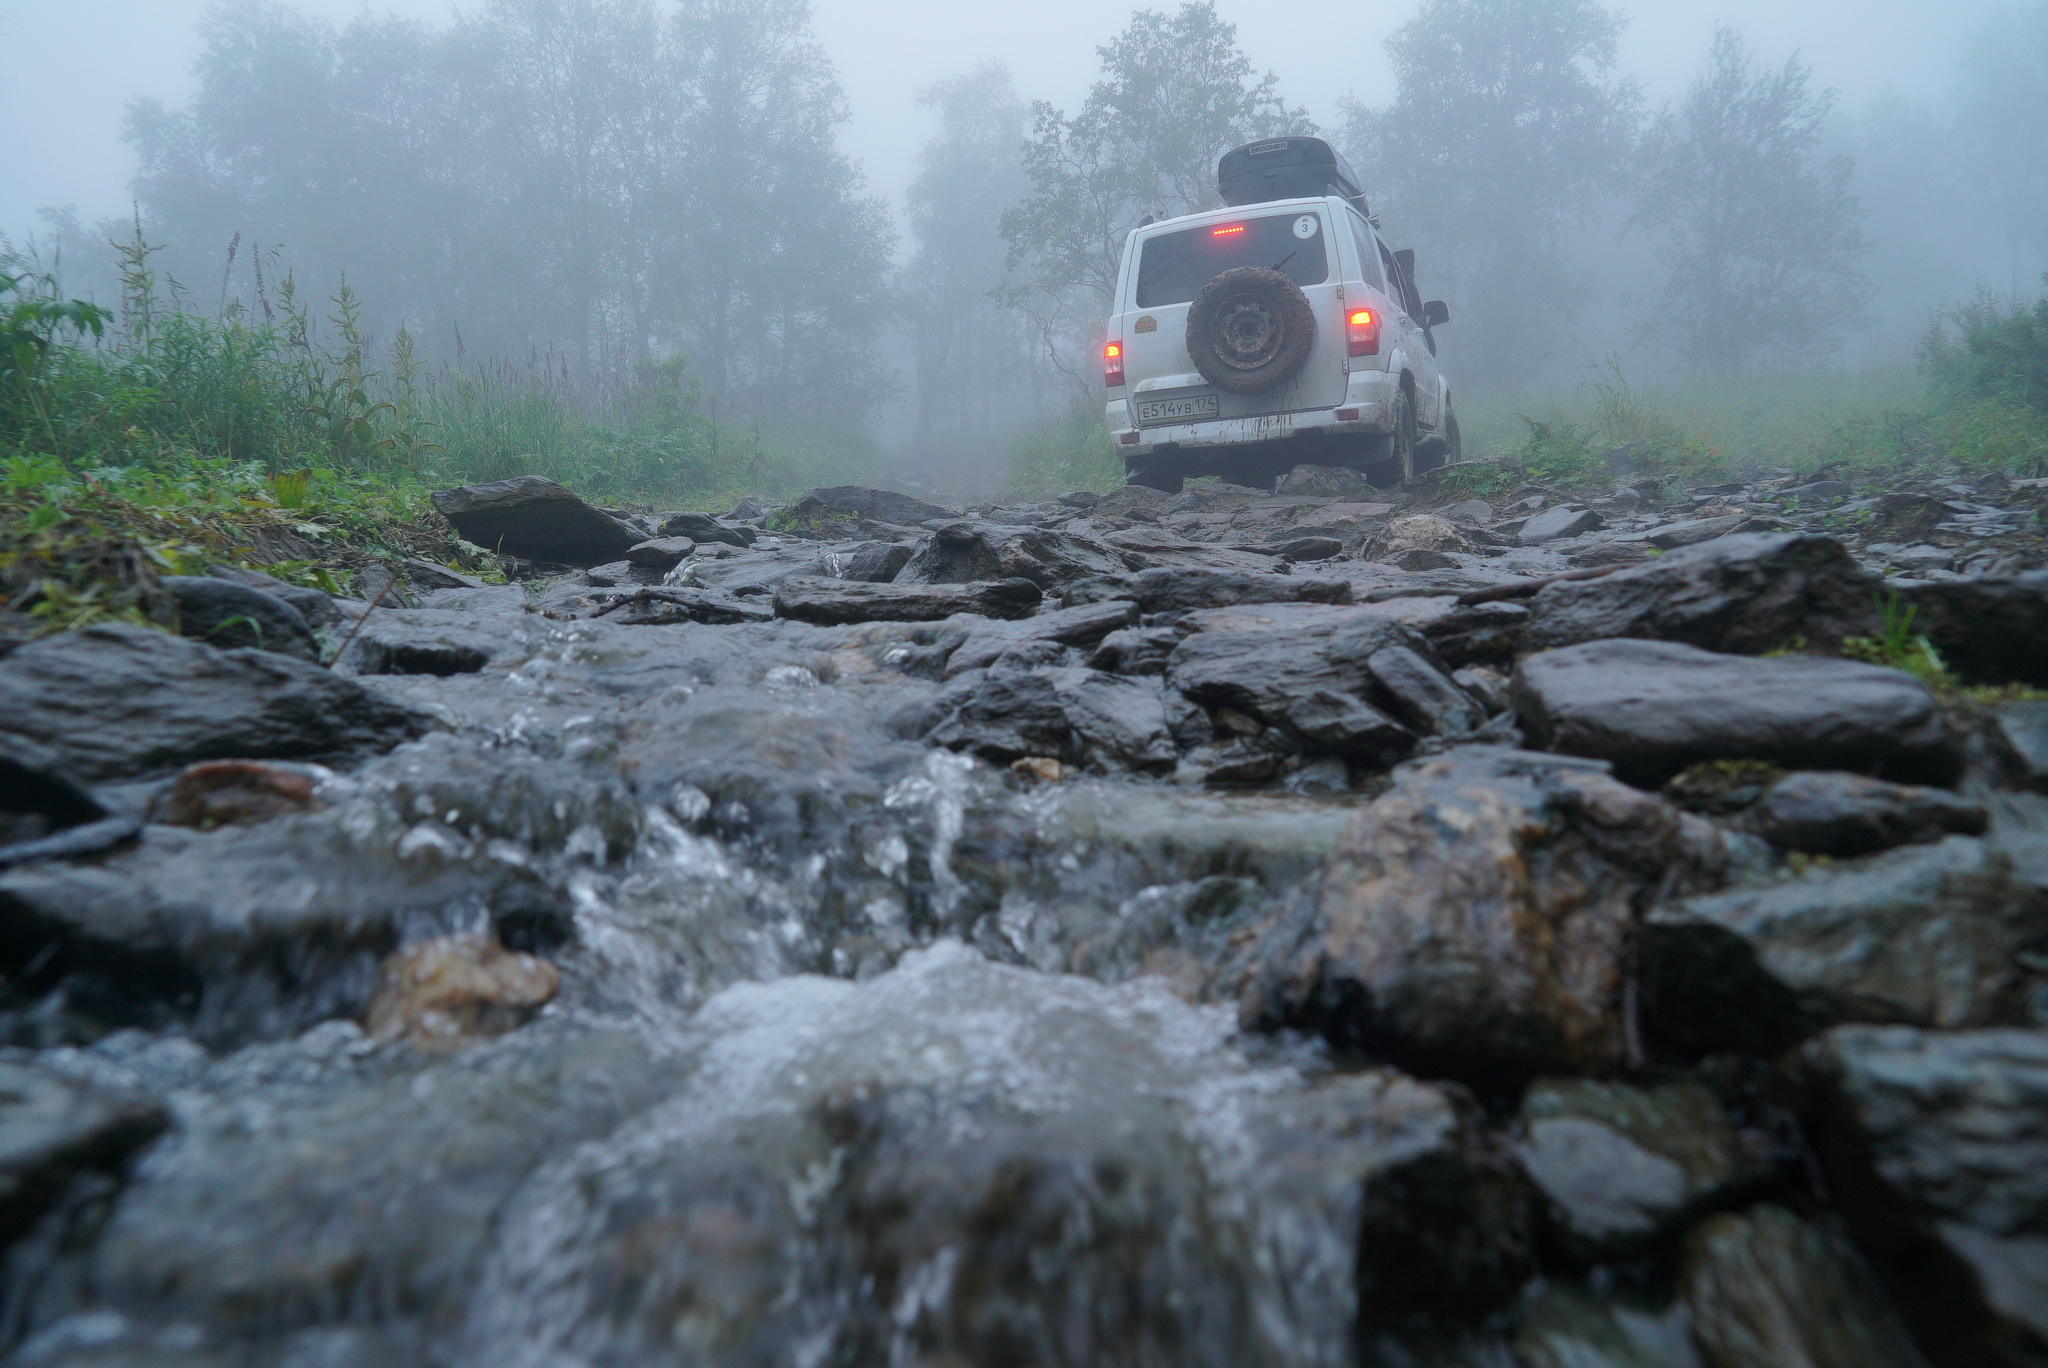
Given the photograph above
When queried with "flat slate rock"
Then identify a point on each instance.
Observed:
(117, 701)
(533, 517)
(51, 1127)
(1181, 589)
(1750, 593)
(1829, 813)
(1992, 630)
(966, 550)
(1081, 626)
(828, 602)
(1654, 707)
(1926, 935)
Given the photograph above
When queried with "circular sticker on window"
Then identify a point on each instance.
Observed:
(1305, 226)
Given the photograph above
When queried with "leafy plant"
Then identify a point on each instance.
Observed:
(1898, 646)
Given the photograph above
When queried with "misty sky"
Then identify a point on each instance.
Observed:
(68, 66)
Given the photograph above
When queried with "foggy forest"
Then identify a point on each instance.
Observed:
(572, 227)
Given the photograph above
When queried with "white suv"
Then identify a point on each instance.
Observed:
(1276, 332)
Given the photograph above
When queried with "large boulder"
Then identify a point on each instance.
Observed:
(968, 550)
(113, 702)
(1475, 920)
(1655, 707)
(1992, 630)
(1748, 594)
(828, 601)
(1935, 1146)
(704, 529)
(1928, 935)
(533, 517)
(222, 613)
(1179, 589)
(1555, 524)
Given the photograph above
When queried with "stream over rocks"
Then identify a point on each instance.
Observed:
(1220, 929)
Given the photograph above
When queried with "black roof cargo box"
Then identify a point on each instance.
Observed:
(1285, 168)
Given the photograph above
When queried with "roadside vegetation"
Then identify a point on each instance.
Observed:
(149, 438)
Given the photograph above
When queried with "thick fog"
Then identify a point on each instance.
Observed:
(570, 180)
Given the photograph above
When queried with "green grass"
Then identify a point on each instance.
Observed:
(155, 440)
(1072, 452)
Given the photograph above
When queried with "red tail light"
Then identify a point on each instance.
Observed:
(1362, 331)
(1113, 364)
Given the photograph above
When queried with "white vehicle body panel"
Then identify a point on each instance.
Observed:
(1334, 392)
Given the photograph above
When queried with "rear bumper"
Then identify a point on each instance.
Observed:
(1369, 394)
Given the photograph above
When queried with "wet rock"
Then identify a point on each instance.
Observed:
(229, 615)
(1823, 491)
(967, 550)
(36, 796)
(220, 792)
(1080, 717)
(1746, 594)
(702, 528)
(1992, 630)
(662, 553)
(1154, 548)
(2022, 732)
(254, 931)
(439, 993)
(434, 641)
(1180, 590)
(856, 503)
(1620, 1165)
(430, 575)
(1566, 1328)
(1765, 1287)
(1301, 549)
(665, 606)
(53, 1128)
(1311, 675)
(1828, 813)
(1332, 482)
(1936, 1145)
(878, 562)
(1654, 707)
(1488, 633)
(836, 601)
(1925, 934)
(1692, 531)
(1128, 500)
(1470, 511)
(116, 701)
(533, 517)
(1474, 920)
(1082, 626)
(1565, 520)
(1416, 532)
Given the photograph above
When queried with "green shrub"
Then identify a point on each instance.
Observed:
(1072, 452)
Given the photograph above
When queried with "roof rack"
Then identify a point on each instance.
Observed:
(1286, 168)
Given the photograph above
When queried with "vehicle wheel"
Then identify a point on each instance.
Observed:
(1399, 461)
(1443, 447)
(1153, 475)
(1250, 330)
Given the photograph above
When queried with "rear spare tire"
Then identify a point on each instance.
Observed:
(1250, 330)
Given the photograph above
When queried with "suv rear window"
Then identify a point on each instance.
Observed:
(1173, 267)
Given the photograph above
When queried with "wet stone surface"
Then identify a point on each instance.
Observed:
(1222, 928)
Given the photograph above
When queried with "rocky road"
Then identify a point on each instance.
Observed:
(1328, 927)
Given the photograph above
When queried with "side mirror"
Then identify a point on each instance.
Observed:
(1435, 313)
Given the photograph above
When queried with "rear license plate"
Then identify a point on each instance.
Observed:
(1176, 410)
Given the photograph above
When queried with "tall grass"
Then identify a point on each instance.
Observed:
(1071, 452)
